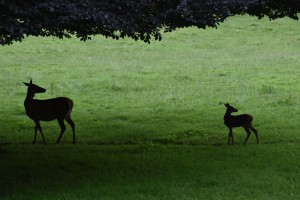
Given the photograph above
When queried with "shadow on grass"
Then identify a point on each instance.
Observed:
(111, 170)
(45, 171)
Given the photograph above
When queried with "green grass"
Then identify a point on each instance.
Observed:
(151, 172)
(149, 118)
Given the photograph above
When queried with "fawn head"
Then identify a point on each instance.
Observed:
(32, 88)
(230, 108)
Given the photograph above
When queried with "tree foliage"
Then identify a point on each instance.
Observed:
(137, 19)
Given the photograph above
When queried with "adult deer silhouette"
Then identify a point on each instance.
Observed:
(244, 121)
(47, 110)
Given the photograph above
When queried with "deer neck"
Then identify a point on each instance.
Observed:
(29, 96)
(227, 115)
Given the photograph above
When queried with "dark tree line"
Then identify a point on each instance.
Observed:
(137, 19)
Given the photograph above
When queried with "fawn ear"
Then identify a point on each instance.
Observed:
(27, 84)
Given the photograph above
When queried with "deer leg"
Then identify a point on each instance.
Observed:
(69, 120)
(35, 132)
(230, 135)
(255, 132)
(38, 126)
(62, 127)
(248, 134)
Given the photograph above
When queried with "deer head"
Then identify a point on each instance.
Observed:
(230, 108)
(34, 88)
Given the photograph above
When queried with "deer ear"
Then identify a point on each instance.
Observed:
(226, 104)
(27, 84)
(30, 81)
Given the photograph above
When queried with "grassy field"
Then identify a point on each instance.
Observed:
(149, 118)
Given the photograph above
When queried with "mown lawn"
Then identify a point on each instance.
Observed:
(149, 118)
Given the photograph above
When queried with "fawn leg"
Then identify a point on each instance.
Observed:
(248, 134)
(62, 127)
(255, 132)
(69, 120)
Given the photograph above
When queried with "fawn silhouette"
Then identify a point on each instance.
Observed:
(244, 121)
(47, 110)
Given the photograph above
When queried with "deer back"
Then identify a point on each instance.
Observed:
(244, 120)
(48, 109)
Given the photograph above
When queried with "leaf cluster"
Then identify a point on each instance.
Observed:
(136, 19)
